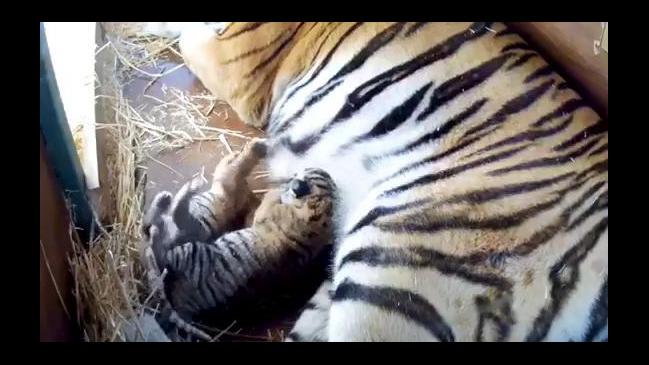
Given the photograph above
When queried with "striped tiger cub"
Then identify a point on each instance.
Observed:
(212, 271)
(472, 179)
(206, 215)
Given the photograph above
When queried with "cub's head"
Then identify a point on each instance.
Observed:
(169, 221)
(302, 206)
(311, 185)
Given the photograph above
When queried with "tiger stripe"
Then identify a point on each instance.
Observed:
(379, 41)
(450, 89)
(395, 118)
(599, 314)
(368, 90)
(473, 197)
(259, 49)
(526, 136)
(326, 33)
(438, 133)
(245, 29)
(521, 60)
(547, 161)
(288, 122)
(273, 56)
(539, 73)
(414, 28)
(418, 257)
(411, 305)
(600, 127)
(562, 286)
(515, 46)
(445, 174)
(513, 106)
(599, 150)
(567, 107)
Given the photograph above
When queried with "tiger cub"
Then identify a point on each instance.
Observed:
(210, 271)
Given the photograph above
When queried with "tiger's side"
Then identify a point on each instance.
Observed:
(473, 180)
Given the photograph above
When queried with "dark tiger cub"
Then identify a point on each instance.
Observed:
(206, 215)
(210, 274)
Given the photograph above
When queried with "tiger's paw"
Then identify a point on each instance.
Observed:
(254, 150)
(238, 165)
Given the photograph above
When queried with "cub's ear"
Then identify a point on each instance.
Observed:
(159, 206)
(162, 201)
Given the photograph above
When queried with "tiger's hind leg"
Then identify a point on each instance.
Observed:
(312, 324)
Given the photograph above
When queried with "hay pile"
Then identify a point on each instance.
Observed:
(108, 273)
(137, 53)
(111, 289)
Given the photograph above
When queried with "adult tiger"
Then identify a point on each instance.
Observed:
(473, 180)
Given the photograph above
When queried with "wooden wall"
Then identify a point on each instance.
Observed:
(55, 324)
(571, 46)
